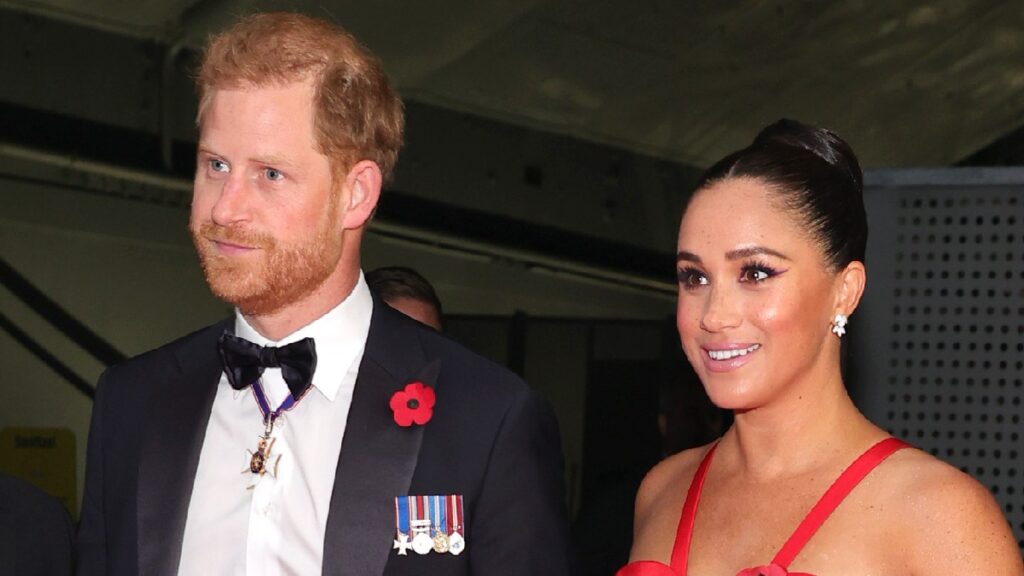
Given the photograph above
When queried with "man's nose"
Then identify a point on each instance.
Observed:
(233, 202)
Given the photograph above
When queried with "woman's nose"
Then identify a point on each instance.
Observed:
(720, 311)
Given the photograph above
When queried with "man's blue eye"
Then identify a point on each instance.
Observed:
(274, 175)
(219, 165)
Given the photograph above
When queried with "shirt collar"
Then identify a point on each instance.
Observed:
(340, 337)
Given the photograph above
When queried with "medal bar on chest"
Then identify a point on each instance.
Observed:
(429, 523)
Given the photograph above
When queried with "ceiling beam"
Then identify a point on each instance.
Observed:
(1007, 150)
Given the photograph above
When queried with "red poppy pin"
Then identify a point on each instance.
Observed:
(414, 404)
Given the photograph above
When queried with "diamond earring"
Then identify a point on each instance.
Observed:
(839, 325)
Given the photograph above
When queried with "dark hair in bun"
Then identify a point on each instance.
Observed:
(816, 175)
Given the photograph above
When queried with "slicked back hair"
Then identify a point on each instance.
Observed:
(815, 175)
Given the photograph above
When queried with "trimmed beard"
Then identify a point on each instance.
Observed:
(282, 275)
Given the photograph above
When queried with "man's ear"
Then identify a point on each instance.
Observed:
(360, 193)
(850, 287)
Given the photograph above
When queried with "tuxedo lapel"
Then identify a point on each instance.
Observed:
(378, 457)
(178, 414)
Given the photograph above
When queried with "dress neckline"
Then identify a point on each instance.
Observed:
(829, 501)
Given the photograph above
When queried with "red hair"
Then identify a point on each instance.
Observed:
(357, 114)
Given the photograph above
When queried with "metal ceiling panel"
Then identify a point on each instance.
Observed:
(906, 83)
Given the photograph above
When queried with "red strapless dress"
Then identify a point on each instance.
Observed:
(779, 565)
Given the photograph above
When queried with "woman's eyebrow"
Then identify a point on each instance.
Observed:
(753, 251)
(684, 256)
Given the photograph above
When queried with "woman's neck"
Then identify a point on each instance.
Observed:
(801, 432)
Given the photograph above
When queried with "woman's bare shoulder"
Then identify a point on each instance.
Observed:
(666, 477)
(947, 518)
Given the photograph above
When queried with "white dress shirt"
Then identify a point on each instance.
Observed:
(242, 524)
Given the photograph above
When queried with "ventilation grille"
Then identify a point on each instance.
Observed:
(954, 304)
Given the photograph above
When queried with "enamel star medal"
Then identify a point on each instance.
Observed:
(402, 542)
(262, 461)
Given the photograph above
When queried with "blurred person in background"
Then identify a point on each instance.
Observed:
(407, 291)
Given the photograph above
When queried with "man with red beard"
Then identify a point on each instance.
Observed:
(316, 431)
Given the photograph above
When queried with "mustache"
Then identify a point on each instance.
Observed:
(234, 235)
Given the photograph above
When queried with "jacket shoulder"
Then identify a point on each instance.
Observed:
(142, 365)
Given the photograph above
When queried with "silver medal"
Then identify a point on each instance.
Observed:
(456, 544)
(422, 543)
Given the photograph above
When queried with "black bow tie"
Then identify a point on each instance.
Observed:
(244, 362)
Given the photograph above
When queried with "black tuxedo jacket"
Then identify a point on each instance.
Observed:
(491, 439)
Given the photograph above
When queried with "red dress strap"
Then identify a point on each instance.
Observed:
(846, 482)
(681, 549)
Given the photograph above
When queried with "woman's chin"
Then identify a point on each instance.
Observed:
(730, 397)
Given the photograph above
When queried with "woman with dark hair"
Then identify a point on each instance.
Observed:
(770, 265)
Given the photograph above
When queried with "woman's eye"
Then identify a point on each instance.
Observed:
(218, 165)
(274, 175)
(756, 274)
(692, 278)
